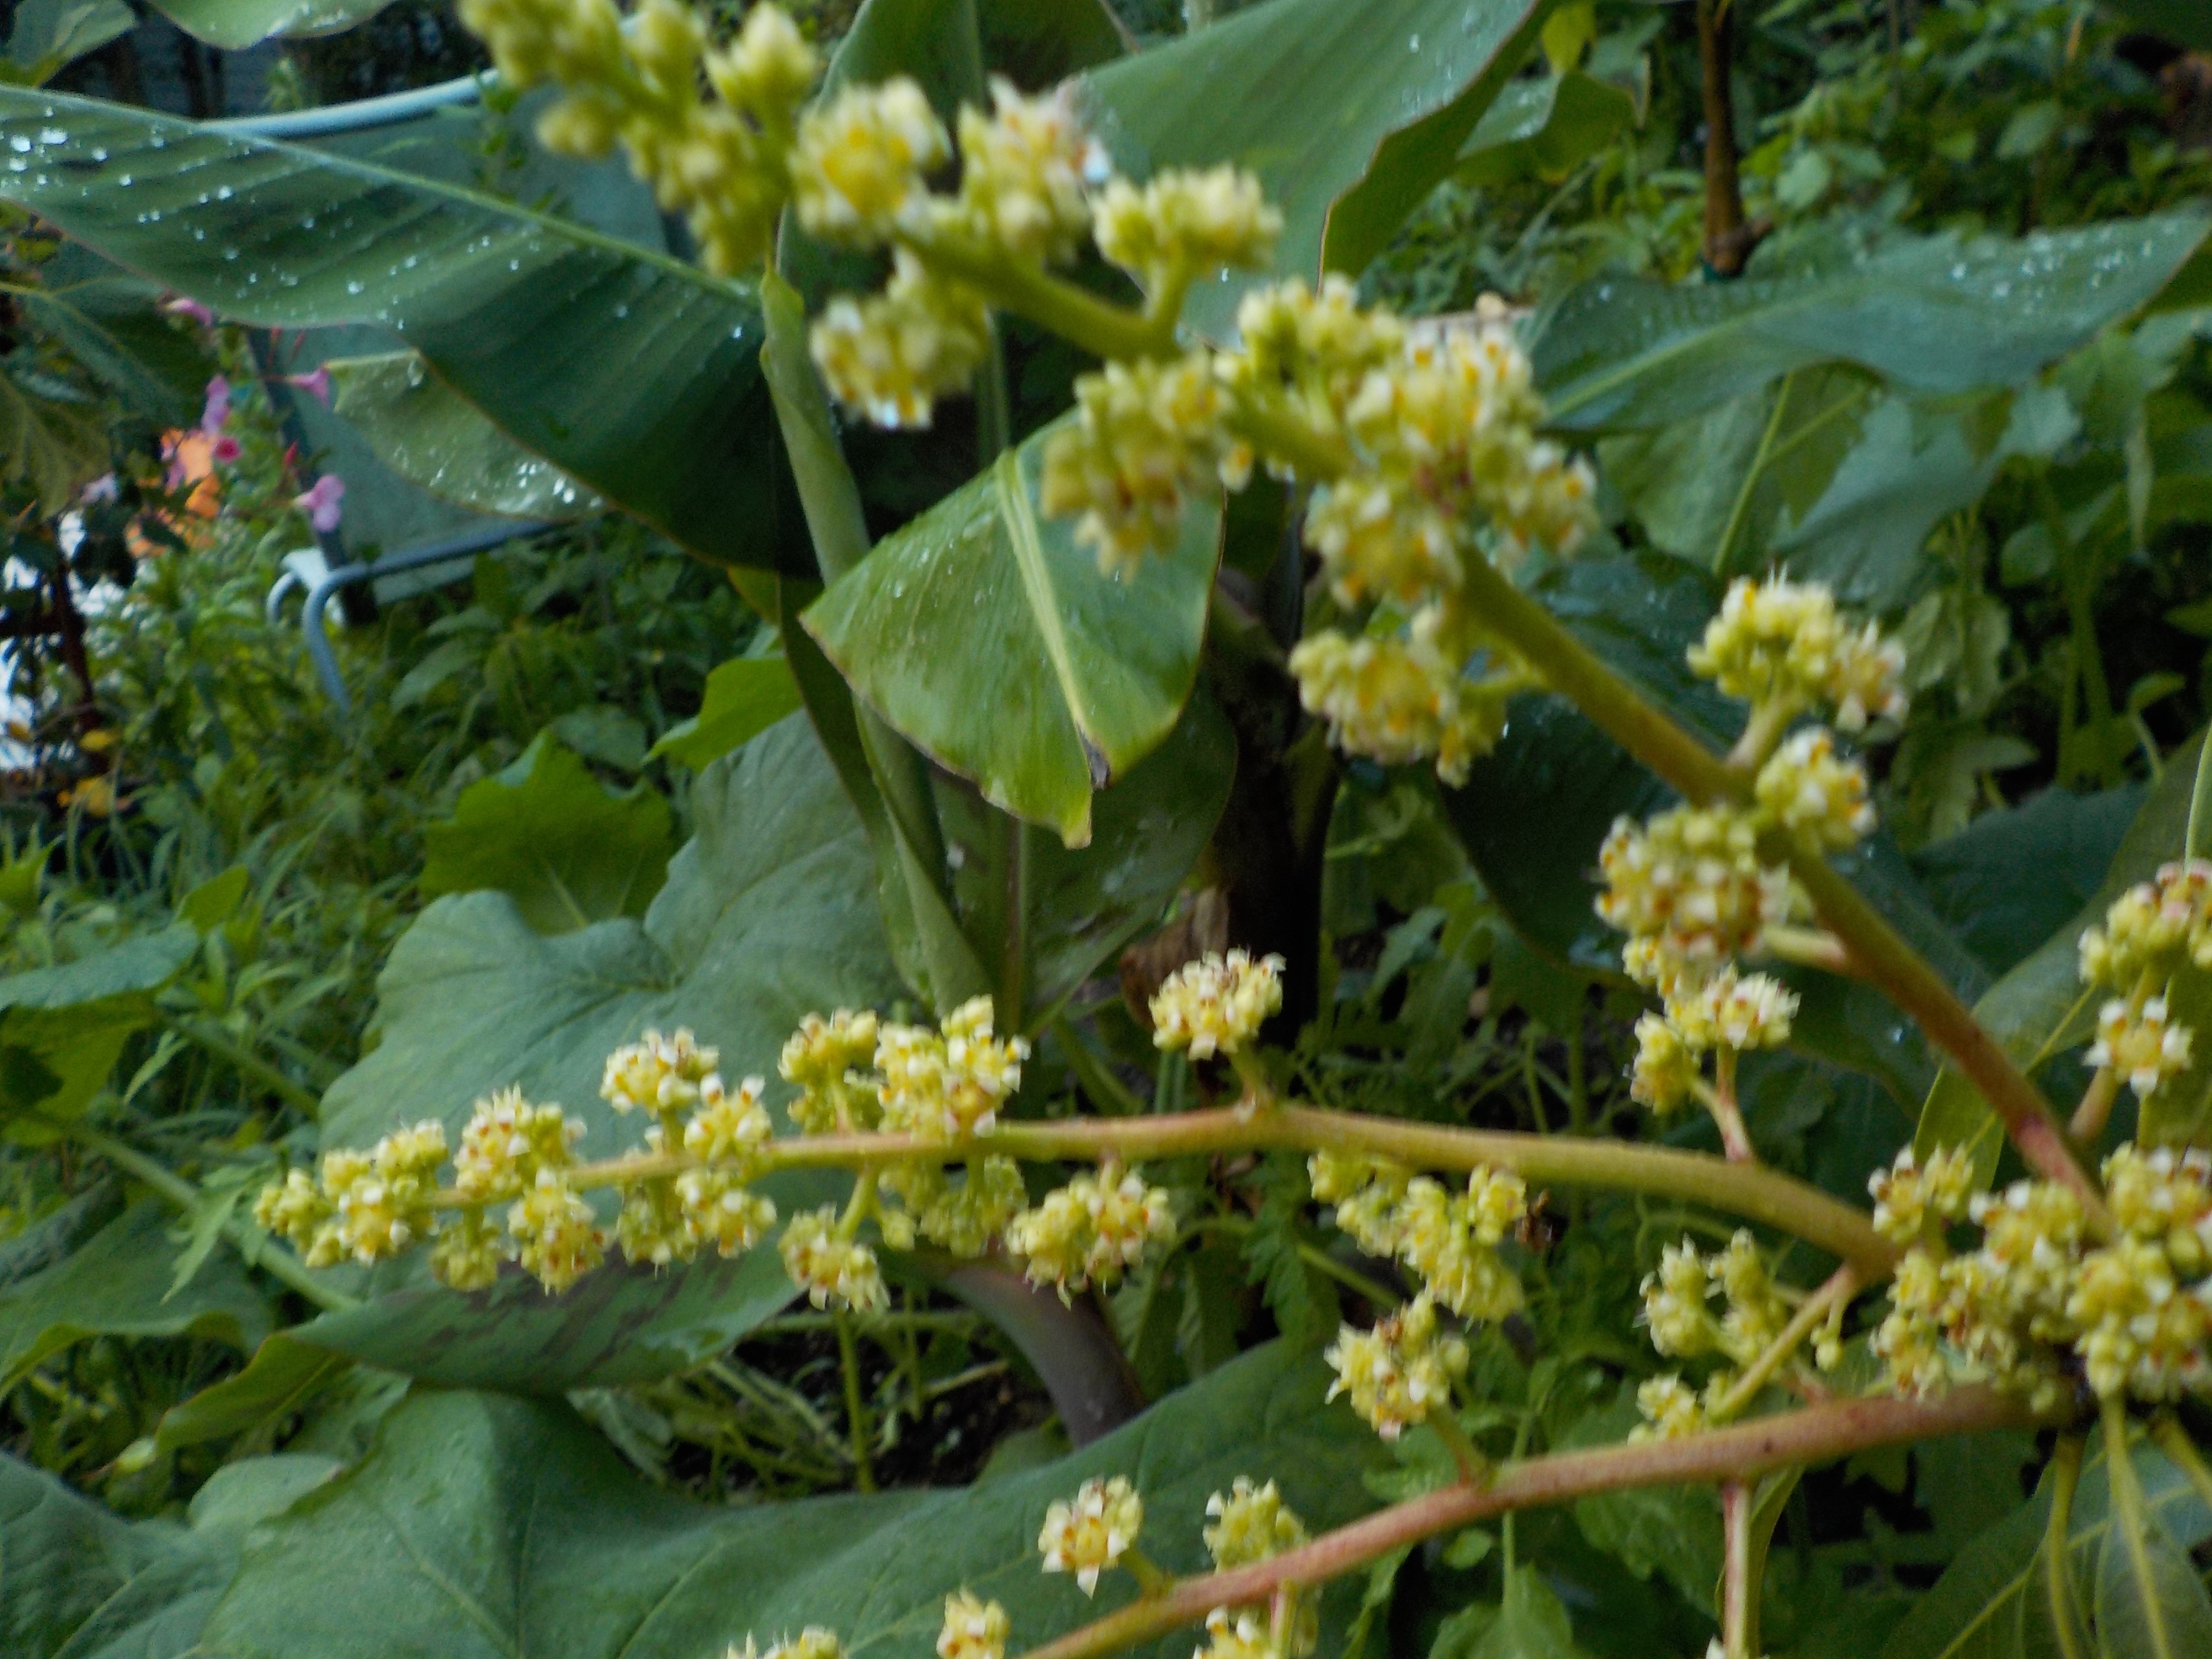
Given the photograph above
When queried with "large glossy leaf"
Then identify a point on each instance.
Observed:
(743, 697)
(483, 1526)
(2041, 1008)
(118, 1285)
(767, 915)
(430, 436)
(44, 35)
(1350, 111)
(1934, 316)
(568, 850)
(985, 635)
(622, 1324)
(1544, 128)
(633, 373)
(63, 1027)
(234, 25)
(1976, 1608)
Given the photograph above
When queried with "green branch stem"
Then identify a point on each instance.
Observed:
(1841, 1286)
(1814, 1435)
(258, 1249)
(1076, 315)
(1751, 1191)
(1877, 952)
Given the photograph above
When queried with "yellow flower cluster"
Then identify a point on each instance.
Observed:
(723, 160)
(890, 355)
(963, 1215)
(1399, 698)
(973, 1628)
(1252, 1523)
(1090, 1532)
(831, 1267)
(1679, 1313)
(2040, 1301)
(1400, 1370)
(1911, 1204)
(1816, 796)
(1217, 1004)
(366, 1206)
(1783, 648)
(1722, 1009)
(1184, 222)
(2151, 931)
(1448, 1238)
(1091, 1230)
(938, 1085)
(813, 1643)
(1690, 889)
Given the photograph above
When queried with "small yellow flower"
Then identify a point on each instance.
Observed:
(890, 355)
(1250, 1524)
(813, 1643)
(1670, 1407)
(295, 1209)
(1668, 1070)
(857, 166)
(1400, 699)
(962, 1216)
(948, 1083)
(1237, 1634)
(467, 1251)
(1817, 797)
(830, 1267)
(973, 1629)
(1400, 1371)
(1781, 646)
(1024, 170)
(1089, 1533)
(1728, 1010)
(1692, 877)
(719, 1210)
(1093, 1228)
(1217, 1004)
(1908, 1201)
(2141, 1043)
(658, 1073)
(507, 1141)
(557, 1239)
(824, 1057)
(1366, 1192)
(1449, 1239)
(1185, 224)
(1147, 436)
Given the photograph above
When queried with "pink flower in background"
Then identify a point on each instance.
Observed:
(317, 383)
(321, 503)
(217, 412)
(179, 305)
(223, 447)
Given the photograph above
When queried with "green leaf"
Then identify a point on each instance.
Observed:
(47, 34)
(986, 636)
(118, 1285)
(622, 1324)
(234, 25)
(430, 436)
(62, 1029)
(1974, 1611)
(2180, 20)
(1672, 1530)
(636, 375)
(488, 1526)
(2041, 1008)
(549, 836)
(1933, 316)
(1349, 113)
(282, 1376)
(53, 446)
(766, 916)
(2149, 1602)
(1544, 129)
(1530, 1623)
(745, 696)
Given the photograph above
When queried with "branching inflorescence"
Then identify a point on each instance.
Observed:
(1425, 482)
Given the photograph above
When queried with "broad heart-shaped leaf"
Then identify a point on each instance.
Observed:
(119, 1285)
(2040, 1008)
(621, 1324)
(745, 696)
(429, 435)
(549, 834)
(483, 1526)
(63, 1027)
(1532, 813)
(1934, 316)
(1349, 111)
(768, 915)
(633, 373)
(988, 638)
(78, 1582)
(234, 25)
(1975, 1610)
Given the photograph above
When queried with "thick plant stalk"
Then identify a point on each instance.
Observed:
(1727, 238)
(1748, 1190)
(1812, 1436)
(1874, 949)
(1739, 1592)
